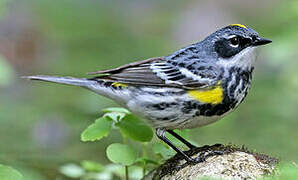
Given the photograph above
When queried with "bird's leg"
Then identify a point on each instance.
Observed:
(161, 135)
(177, 136)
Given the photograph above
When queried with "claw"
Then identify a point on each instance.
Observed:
(199, 159)
(202, 157)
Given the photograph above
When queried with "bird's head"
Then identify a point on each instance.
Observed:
(234, 45)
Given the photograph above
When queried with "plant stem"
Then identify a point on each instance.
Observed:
(144, 169)
(144, 150)
(144, 154)
(126, 167)
(126, 173)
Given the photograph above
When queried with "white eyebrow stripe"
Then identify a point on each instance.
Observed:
(232, 36)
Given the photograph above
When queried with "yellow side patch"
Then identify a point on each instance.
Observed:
(212, 96)
(240, 25)
(116, 84)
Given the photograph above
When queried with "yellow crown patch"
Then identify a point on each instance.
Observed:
(240, 25)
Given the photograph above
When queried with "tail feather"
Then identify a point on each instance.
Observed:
(97, 86)
(62, 80)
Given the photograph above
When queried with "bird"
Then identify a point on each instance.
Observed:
(192, 87)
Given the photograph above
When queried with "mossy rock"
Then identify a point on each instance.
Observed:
(222, 162)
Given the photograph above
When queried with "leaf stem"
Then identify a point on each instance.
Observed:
(144, 150)
(126, 167)
(126, 173)
(144, 154)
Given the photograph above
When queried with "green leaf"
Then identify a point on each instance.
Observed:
(92, 166)
(185, 133)
(8, 173)
(146, 160)
(72, 170)
(116, 109)
(122, 154)
(162, 150)
(100, 128)
(115, 116)
(135, 128)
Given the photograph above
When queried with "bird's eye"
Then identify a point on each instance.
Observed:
(254, 38)
(234, 41)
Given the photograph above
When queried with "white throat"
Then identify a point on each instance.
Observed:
(244, 59)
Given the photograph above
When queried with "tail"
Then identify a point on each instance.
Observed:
(63, 80)
(101, 87)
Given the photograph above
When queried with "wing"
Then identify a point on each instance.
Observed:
(155, 72)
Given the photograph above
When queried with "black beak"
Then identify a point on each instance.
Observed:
(260, 41)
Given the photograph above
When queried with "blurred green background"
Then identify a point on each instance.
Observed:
(40, 124)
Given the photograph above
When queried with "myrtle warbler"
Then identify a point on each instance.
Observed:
(192, 87)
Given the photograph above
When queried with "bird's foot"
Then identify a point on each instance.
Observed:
(204, 155)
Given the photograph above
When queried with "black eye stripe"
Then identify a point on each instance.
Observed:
(246, 41)
(242, 41)
(228, 47)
